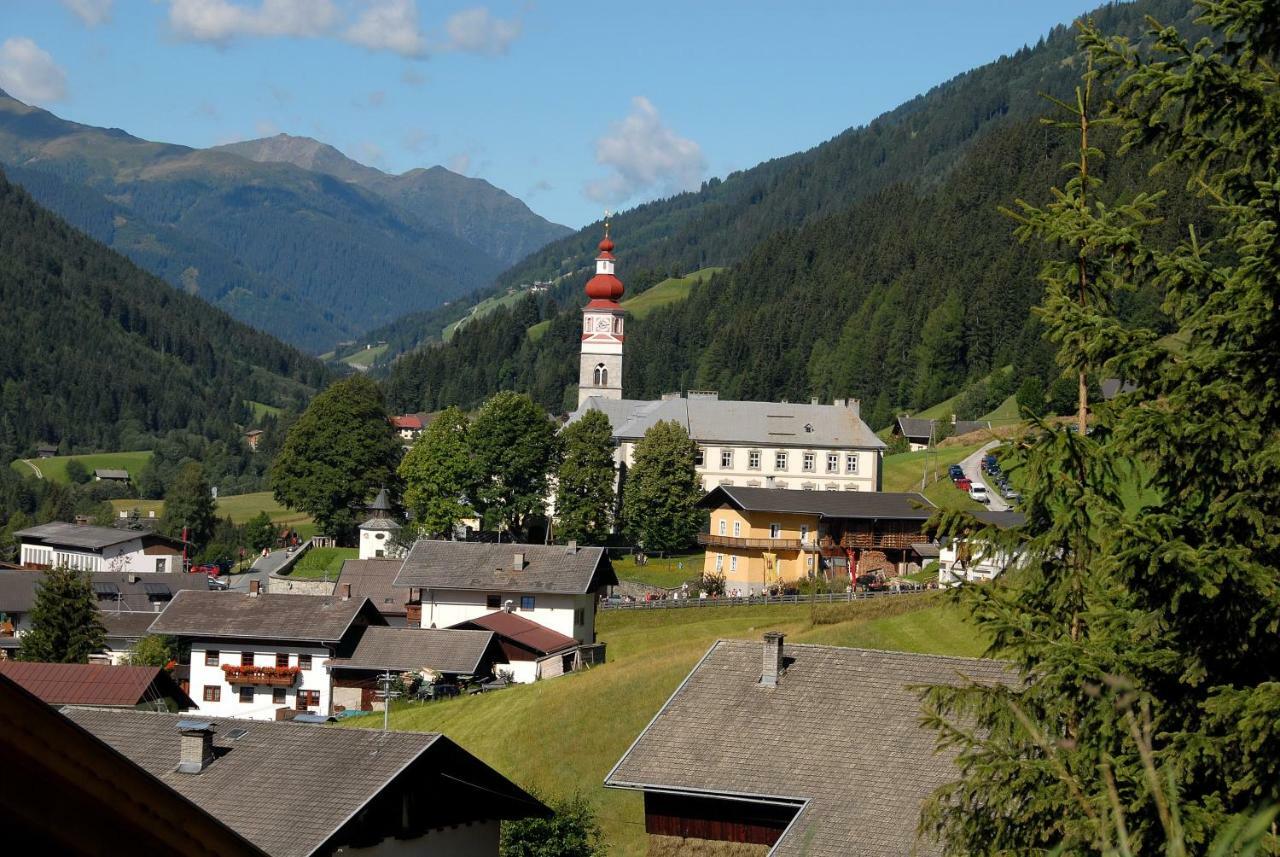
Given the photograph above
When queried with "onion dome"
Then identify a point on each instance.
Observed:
(605, 286)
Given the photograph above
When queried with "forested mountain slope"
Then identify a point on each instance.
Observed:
(98, 352)
(918, 142)
(914, 287)
(307, 255)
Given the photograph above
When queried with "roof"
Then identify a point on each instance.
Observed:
(408, 649)
(374, 579)
(408, 421)
(861, 777)
(1003, 520)
(1112, 387)
(289, 788)
(488, 567)
(309, 618)
(877, 505)
(925, 550)
(133, 592)
(380, 524)
(382, 502)
(111, 473)
(521, 631)
(83, 536)
(915, 427)
(95, 684)
(127, 624)
(711, 420)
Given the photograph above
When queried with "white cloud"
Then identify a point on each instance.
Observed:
(475, 31)
(91, 12)
(389, 25)
(221, 21)
(644, 155)
(29, 74)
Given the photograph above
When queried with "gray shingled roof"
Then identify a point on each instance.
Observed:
(82, 536)
(1003, 520)
(18, 589)
(127, 624)
(285, 787)
(374, 579)
(311, 618)
(111, 473)
(408, 649)
(488, 567)
(380, 524)
(879, 505)
(840, 734)
(714, 420)
(914, 427)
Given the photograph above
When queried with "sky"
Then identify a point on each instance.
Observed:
(575, 107)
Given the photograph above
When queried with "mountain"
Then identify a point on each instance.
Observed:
(467, 208)
(99, 353)
(311, 256)
(837, 258)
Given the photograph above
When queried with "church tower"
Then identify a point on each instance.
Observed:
(600, 373)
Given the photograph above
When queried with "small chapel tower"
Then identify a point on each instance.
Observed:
(600, 373)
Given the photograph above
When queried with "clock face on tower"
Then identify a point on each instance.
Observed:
(603, 324)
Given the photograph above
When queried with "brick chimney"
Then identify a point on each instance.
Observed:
(773, 667)
(345, 592)
(196, 747)
(254, 587)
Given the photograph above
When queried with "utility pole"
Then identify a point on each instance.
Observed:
(386, 694)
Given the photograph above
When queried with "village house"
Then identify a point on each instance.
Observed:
(530, 652)
(252, 438)
(375, 579)
(255, 655)
(922, 433)
(727, 759)
(90, 548)
(409, 427)
(99, 685)
(295, 790)
(974, 559)
(110, 474)
(556, 586)
(761, 537)
(449, 653)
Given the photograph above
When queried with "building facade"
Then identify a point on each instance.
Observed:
(90, 548)
(600, 365)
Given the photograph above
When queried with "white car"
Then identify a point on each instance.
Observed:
(978, 491)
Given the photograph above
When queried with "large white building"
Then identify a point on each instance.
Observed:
(968, 560)
(90, 548)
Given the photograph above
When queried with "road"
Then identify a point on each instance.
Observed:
(972, 467)
(39, 475)
(262, 567)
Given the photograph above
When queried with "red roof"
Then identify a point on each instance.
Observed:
(407, 421)
(94, 684)
(604, 287)
(522, 631)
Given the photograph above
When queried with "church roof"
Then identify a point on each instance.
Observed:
(711, 420)
(381, 503)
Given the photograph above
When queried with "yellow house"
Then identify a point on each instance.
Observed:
(764, 537)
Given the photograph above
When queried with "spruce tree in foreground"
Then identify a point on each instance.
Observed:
(661, 491)
(439, 475)
(65, 625)
(1146, 630)
(584, 486)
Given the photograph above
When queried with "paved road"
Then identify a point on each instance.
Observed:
(972, 467)
(262, 567)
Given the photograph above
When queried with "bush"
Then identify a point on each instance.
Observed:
(712, 582)
(572, 832)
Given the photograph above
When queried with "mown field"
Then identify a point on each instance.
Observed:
(240, 508)
(55, 469)
(322, 563)
(563, 735)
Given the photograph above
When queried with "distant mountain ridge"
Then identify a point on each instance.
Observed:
(310, 254)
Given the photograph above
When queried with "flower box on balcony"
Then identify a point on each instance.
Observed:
(267, 676)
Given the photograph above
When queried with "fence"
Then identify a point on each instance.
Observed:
(757, 600)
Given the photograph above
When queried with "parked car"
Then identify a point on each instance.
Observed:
(209, 568)
(218, 583)
(963, 483)
(955, 471)
(486, 686)
(978, 491)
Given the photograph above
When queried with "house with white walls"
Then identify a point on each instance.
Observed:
(253, 653)
(974, 559)
(90, 548)
(556, 586)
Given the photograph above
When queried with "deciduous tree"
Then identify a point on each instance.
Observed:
(661, 490)
(189, 503)
(585, 497)
(439, 475)
(515, 449)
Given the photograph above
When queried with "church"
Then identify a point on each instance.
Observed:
(751, 444)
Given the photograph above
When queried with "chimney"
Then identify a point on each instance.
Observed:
(839, 403)
(196, 747)
(509, 606)
(813, 400)
(415, 595)
(772, 658)
(855, 405)
(572, 547)
(517, 562)
(254, 586)
(346, 592)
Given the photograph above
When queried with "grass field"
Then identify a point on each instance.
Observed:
(322, 563)
(1004, 414)
(667, 572)
(667, 292)
(261, 409)
(364, 358)
(240, 507)
(55, 469)
(482, 309)
(563, 735)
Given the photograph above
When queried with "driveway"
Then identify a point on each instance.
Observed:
(972, 467)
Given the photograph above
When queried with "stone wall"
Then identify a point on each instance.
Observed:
(285, 585)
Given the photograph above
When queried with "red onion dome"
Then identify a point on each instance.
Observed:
(606, 245)
(604, 287)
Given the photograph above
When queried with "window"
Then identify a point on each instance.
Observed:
(246, 659)
(277, 696)
(809, 561)
(601, 375)
(719, 562)
(246, 695)
(780, 461)
(212, 693)
(833, 462)
(804, 532)
(733, 563)
(493, 602)
(753, 459)
(775, 530)
(810, 462)
(526, 602)
(724, 526)
(726, 459)
(304, 662)
(308, 699)
(211, 657)
(737, 529)
(282, 659)
(698, 456)
(851, 462)
(160, 565)
(579, 615)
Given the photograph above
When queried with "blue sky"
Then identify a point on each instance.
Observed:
(572, 106)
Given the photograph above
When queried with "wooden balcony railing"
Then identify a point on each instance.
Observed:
(261, 676)
(866, 541)
(712, 540)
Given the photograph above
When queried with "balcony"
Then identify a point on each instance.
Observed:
(261, 676)
(714, 541)
(873, 541)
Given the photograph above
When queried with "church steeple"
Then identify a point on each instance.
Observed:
(602, 320)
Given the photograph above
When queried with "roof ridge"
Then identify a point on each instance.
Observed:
(873, 651)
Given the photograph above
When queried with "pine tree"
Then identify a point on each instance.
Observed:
(661, 490)
(1144, 630)
(65, 625)
(439, 475)
(189, 504)
(515, 448)
(585, 483)
(941, 354)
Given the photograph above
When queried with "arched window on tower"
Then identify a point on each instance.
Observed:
(601, 376)
(617, 325)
